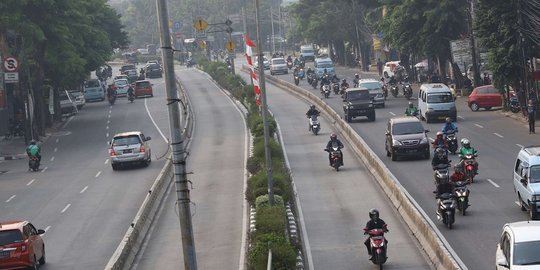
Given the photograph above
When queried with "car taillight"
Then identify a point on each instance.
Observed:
(23, 247)
(141, 149)
(111, 152)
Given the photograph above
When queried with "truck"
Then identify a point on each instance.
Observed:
(307, 52)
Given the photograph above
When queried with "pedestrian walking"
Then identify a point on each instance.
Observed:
(531, 115)
(379, 66)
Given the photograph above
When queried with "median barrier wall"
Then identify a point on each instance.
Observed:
(414, 217)
(128, 248)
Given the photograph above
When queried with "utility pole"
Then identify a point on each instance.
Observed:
(273, 34)
(177, 143)
(476, 72)
(264, 107)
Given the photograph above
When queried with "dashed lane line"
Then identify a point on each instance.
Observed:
(31, 181)
(65, 208)
(98, 174)
(393, 114)
(11, 198)
(498, 135)
(56, 149)
(44, 169)
(107, 127)
(107, 135)
(493, 183)
(478, 125)
(47, 228)
(461, 117)
(519, 145)
(83, 190)
(517, 203)
(57, 140)
(106, 161)
(52, 158)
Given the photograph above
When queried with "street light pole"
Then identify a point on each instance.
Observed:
(264, 107)
(177, 144)
(476, 72)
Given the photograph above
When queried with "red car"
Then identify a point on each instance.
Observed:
(143, 89)
(21, 245)
(486, 96)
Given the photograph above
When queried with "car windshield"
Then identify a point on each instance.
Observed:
(92, 83)
(143, 84)
(278, 62)
(154, 67)
(534, 174)
(439, 98)
(121, 83)
(407, 128)
(352, 95)
(371, 85)
(526, 253)
(325, 65)
(307, 51)
(9, 237)
(133, 139)
(128, 67)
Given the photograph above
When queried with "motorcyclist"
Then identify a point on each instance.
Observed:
(356, 79)
(374, 223)
(444, 186)
(289, 58)
(334, 140)
(439, 158)
(458, 174)
(344, 84)
(310, 71)
(130, 92)
(466, 149)
(392, 81)
(296, 61)
(312, 111)
(33, 150)
(449, 127)
(440, 141)
(141, 71)
(335, 79)
(295, 71)
(411, 110)
(111, 92)
(325, 80)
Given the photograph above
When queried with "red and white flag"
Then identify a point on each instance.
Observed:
(249, 54)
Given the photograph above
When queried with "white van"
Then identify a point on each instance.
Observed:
(307, 52)
(527, 180)
(435, 102)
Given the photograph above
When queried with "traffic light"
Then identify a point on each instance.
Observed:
(229, 30)
(228, 22)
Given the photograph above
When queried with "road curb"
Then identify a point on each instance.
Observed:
(435, 246)
(12, 157)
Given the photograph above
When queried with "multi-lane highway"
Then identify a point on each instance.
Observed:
(493, 201)
(83, 204)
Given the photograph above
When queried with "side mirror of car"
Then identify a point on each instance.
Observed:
(41, 231)
(523, 181)
(148, 138)
(426, 130)
(387, 133)
(501, 261)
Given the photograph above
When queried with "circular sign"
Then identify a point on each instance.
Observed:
(11, 64)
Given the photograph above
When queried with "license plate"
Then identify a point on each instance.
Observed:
(127, 151)
(4, 254)
(442, 117)
(411, 151)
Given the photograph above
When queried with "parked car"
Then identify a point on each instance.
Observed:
(143, 88)
(406, 136)
(153, 71)
(67, 103)
(93, 90)
(518, 246)
(486, 96)
(527, 180)
(121, 86)
(21, 245)
(278, 65)
(129, 147)
(79, 98)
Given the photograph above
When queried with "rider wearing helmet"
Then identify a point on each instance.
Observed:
(440, 141)
(356, 79)
(334, 140)
(466, 149)
(309, 71)
(344, 84)
(335, 79)
(312, 111)
(458, 174)
(33, 150)
(411, 110)
(439, 158)
(374, 223)
(449, 127)
(444, 186)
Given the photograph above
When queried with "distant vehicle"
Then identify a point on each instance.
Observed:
(129, 147)
(153, 71)
(125, 68)
(152, 48)
(79, 98)
(322, 64)
(21, 245)
(486, 96)
(307, 52)
(143, 88)
(527, 180)
(389, 68)
(406, 136)
(518, 246)
(266, 63)
(93, 90)
(119, 77)
(375, 90)
(132, 75)
(278, 65)
(67, 103)
(122, 86)
(143, 51)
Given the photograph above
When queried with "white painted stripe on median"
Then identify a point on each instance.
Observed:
(493, 183)
(98, 174)
(478, 125)
(83, 190)
(519, 145)
(11, 198)
(65, 208)
(31, 181)
(498, 135)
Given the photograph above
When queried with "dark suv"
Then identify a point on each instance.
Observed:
(405, 136)
(358, 102)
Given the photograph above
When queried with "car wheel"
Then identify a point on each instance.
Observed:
(371, 117)
(42, 261)
(523, 208)
(474, 107)
(387, 152)
(393, 155)
(114, 167)
(532, 215)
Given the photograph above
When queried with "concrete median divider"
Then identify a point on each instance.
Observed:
(128, 248)
(435, 247)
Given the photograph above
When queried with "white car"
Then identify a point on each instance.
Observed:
(519, 246)
(389, 68)
(79, 98)
(278, 65)
(122, 86)
(129, 147)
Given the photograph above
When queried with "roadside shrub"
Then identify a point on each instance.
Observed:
(262, 202)
(275, 149)
(258, 185)
(283, 253)
(253, 165)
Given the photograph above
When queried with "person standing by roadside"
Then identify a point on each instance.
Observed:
(379, 66)
(531, 115)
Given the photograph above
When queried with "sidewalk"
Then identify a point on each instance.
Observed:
(14, 148)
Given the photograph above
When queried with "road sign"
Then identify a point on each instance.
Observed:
(229, 30)
(11, 77)
(202, 44)
(201, 36)
(200, 24)
(11, 64)
(177, 25)
(178, 35)
(230, 46)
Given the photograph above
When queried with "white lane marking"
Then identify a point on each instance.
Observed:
(98, 174)
(498, 135)
(493, 183)
(31, 181)
(461, 117)
(478, 125)
(109, 116)
(84, 189)
(65, 208)
(52, 158)
(107, 135)
(47, 228)
(107, 127)
(56, 149)
(44, 169)
(57, 140)
(393, 114)
(517, 203)
(108, 122)
(106, 161)
(11, 198)
(519, 145)
(67, 122)
(154, 122)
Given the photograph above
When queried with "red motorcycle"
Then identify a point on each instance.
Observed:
(468, 166)
(33, 163)
(377, 244)
(335, 156)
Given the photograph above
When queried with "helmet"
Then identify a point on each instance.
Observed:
(439, 133)
(410, 104)
(440, 152)
(344, 80)
(333, 137)
(465, 142)
(458, 168)
(448, 120)
(312, 107)
(33, 142)
(309, 69)
(374, 214)
(356, 75)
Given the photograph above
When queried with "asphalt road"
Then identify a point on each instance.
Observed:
(335, 205)
(84, 206)
(216, 158)
(493, 200)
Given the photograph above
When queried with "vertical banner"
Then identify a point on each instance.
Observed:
(51, 101)
(249, 54)
(3, 94)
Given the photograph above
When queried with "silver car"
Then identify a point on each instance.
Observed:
(122, 86)
(129, 147)
(375, 91)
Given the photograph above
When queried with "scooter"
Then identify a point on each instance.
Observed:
(314, 82)
(446, 209)
(407, 91)
(513, 104)
(301, 74)
(326, 90)
(335, 157)
(451, 139)
(131, 98)
(385, 91)
(462, 194)
(335, 87)
(310, 78)
(289, 64)
(441, 172)
(112, 99)
(395, 90)
(377, 244)
(468, 167)
(314, 124)
(296, 79)
(33, 164)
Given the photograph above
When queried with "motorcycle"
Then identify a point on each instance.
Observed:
(112, 99)
(385, 91)
(325, 91)
(462, 194)
(33, 164)
(407, 91)
(335, 157)
(314, 124)
(289, 64)
(296, 79)
(335, 87)
(446, 209)
(441, 172)
(468, 167)
(314, 82)
(513, 104)
(301, 74)
(451, 139)
(395, 90)
(377, 244)
(343, 89)
(131, 98)
(310, 78)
